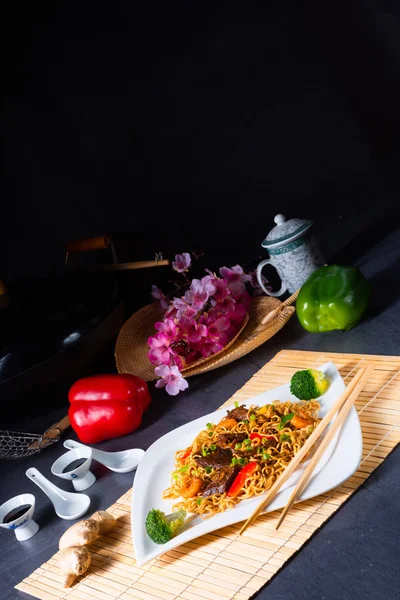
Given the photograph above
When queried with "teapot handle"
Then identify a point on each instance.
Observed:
(260, 267)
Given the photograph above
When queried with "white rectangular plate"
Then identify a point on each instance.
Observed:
(153, 476)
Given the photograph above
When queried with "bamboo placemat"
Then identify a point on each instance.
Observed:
(221, 565)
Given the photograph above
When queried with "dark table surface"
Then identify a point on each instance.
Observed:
(356, 553)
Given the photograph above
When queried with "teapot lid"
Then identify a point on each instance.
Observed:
(285, 231)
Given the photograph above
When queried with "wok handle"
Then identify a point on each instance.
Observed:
(87, 245)
(57, 429)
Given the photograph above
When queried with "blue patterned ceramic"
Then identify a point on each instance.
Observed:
(293, 252)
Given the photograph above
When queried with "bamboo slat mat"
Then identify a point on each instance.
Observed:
(221, 565)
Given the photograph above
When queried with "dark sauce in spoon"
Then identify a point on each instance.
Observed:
(16, 513)
(74, 465)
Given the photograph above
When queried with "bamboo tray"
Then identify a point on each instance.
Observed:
(131, 348)
(221, 565)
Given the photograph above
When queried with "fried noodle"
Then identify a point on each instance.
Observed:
(271, 455)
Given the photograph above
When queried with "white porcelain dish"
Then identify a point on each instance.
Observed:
(339, 462)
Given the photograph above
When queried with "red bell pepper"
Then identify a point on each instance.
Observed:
(111, 387)
(107, 406)
(185, 455)
(240, 479)
(262, 436)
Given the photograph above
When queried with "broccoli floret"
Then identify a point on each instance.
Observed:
(308, 384)
(161, 527)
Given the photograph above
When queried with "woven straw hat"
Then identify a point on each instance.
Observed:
(131, 348)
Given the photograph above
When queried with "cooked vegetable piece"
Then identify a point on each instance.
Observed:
(308, 384)
(185, 455)
(284, 420)
(240, 479)
(191, 486)
(228, 423)
(299, 421)
(161, 527)
(261, 436)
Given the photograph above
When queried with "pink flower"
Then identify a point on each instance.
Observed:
(227, 305)
(182, 262)
(221, 290)
(171, 378)
(160, 352)
(209, 284)
(167, 328)
(197, 295)
(235, 278)
(243, 300)
(159, 295)
(238, 315)
(183, 309)
(216, 331)
(193, 330)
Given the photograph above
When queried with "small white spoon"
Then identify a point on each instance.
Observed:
(120, 462)
(66, 504)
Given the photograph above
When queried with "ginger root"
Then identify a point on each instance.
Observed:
(75, 558)
(73, 561)
(105, 520)
(80, 534)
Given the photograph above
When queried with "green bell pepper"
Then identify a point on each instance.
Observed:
(333, 297)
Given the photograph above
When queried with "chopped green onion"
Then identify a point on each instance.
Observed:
(208, 470)
(213, 447)
(183, 469)
(205, 452)
(266, 456)
(198, 501)
(260, 450)
(285, 419)
(242, 461)
(245, 421)
(285, 438)
(252, 417)
(311, 429)
(175, 477)
(209, 425)
(210, 434)
(238, 446)
(236, 405)
(234, 461)
(247, 442)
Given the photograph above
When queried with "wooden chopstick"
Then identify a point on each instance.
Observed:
(340, 419)
(296, 460)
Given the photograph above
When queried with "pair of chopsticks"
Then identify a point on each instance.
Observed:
(342, 407)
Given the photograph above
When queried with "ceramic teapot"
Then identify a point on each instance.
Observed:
(293, 252)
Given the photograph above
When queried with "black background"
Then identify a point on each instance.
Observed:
(175, 126)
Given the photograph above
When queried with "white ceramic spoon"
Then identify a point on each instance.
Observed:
(66, 504)
(120, 462)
